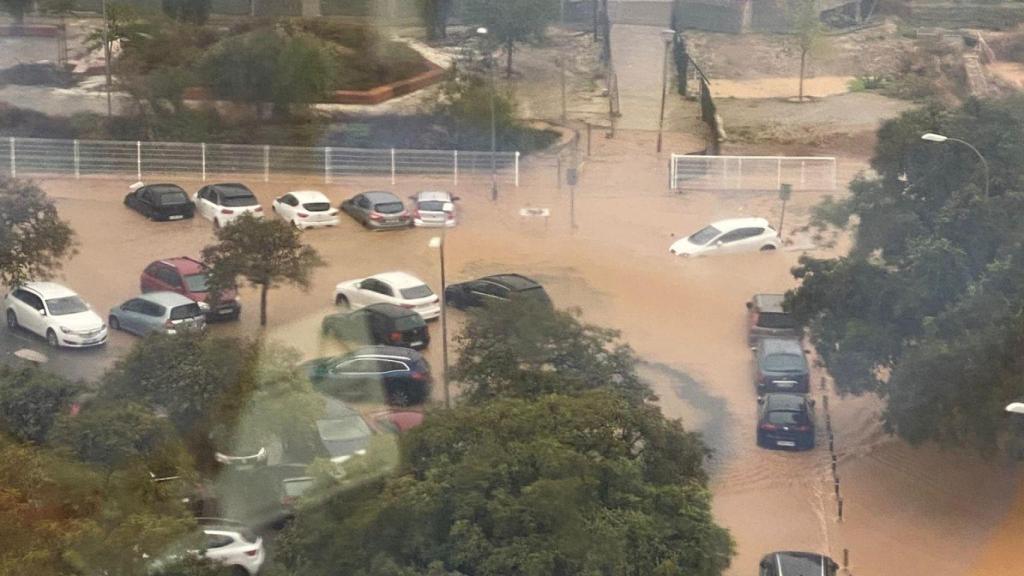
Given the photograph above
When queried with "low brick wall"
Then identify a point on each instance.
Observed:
(38, 30)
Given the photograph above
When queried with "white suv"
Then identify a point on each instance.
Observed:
(56, 313)
(232, 544)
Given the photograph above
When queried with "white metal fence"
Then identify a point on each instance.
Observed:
(753, 173)
(84, 158)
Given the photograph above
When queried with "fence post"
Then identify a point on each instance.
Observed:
(392, 166)
(778, 173)
(14, 163)
(138, 159)
(832, 186)
(455, 160)
(327, 165)
(266, 163)
(77, 162)
(739, 174)
(517, 168)
(202, 148)
(803, 182)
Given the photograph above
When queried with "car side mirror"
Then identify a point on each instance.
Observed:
(766, 564)
(807, 350)
(718, 243)
(455, 198)
(750, 305)
(41, 311)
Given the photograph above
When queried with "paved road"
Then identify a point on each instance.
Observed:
(86, 364)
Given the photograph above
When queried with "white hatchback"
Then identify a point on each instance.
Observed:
(306, 209)
(232, 544)
(223, 203)
(729, 237)
(398, 288)
(56, 313)
(434, 209)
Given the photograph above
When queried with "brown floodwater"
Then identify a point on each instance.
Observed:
(907, 510)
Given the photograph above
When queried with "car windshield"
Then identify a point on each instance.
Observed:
(784, 363)
(421, 291)
(776, 320)
(431, 206)
(197, 282)
(66, 305)
(173, 198)
(317, 206)
(389, 207)
(238, 201)
(703, 236)
(410, 322)
(341, 429)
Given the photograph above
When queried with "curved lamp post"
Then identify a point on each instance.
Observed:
(932, 137)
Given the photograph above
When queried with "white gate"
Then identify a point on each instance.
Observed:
(752, 173)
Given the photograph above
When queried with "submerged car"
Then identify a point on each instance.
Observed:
(189, 277)
(766, 317)
(223, 203)
(495, 289)
(400, 288)
(162, 312)
(797, 564)
(342, 431)
(377, 210)
(160, 201)
(56, 313)
(728, 237)
(785, 421)
(434, 209)
(398, 376)
(388, 324)
(781, 366)
(306, 209)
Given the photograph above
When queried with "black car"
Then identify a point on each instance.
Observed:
(160, 202)
(399, 376)
(495, 289)
(781, 366)
(795, 563)
(388, 324)
(785, 421)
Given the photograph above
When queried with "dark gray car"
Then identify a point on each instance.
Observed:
(377, 210)
(165, 312)
(343, 432)
(781, 366)
(766, 317)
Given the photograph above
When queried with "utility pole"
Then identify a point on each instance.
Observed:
(494, 138)
(785, 191)
(667, 36)
(106, 54)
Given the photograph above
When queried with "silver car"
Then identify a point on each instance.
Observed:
(164, 312)
(377, 210)
(434, 209)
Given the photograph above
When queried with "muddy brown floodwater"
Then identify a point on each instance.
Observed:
(908, 511)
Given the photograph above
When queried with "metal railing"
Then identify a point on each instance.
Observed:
(753, 173)
(85, 158)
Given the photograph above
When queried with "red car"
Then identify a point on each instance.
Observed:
(396, 421)
(188, 276)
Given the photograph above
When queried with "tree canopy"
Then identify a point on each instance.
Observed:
(31, 400)
(266, 252)
(34, 241)
(927, 310)
(509, 22)
(558, 485)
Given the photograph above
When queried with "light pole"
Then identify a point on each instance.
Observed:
(667, 36)
(494, 88)
(932, 137)
(106, 54)
(438, 242)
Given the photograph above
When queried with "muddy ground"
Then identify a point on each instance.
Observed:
(906, 509)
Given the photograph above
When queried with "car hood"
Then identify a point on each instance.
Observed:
(87, 320)
(684, 246)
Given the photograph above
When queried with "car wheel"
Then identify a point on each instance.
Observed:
(341, 300)
(12, 320)
(399, 398)
(239, 571)
(767, 248)
(51, 339)
(114, 323)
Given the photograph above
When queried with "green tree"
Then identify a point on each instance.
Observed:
(509, 22)
(526, 350)
(17, 9)
(554, 485)
(191, 11)
(465, 105)
(31, 400)
(805, 16)
(34, 241)
(265, 252)
(926, 309)
(114, 436)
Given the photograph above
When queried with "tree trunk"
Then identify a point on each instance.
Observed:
(508, 58)
(263, 304)
(803, 62)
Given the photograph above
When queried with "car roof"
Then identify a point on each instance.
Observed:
(799, 563)
(184, 264)
(165, 298)
(49, 289)
(384, 352)
(734, 223)
(436, 195)
(304, 196)
(391, 310)
(513, 281)
(165, 187)
(233, 189)
(334, 409)
(781, 346)
(399, 279)
(381, 196)
(769, 302)
(781, 401)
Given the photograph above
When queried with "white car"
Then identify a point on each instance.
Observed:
(398, 288)
(305, 209)
(225, 542)
(434, 209)
(56, 313)
(729, 237)
(223, 203)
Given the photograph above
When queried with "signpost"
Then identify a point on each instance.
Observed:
(785, 191)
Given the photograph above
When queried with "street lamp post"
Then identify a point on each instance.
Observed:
(667, 36)
(494, 140)
(106, 54)
(438, 242)
(932, 137)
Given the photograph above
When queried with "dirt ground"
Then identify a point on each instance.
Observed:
(685, 318)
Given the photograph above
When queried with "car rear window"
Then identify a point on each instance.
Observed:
(784, 363)
(317, 206)
(432, 206)
(173, 198)
(186, 311)
(248, 535)
(389, 207)
(787, 418)
(410, 322)
(421, 291)
(239, 201)
(775, 320)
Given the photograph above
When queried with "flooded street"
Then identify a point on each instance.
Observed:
(907, 510)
